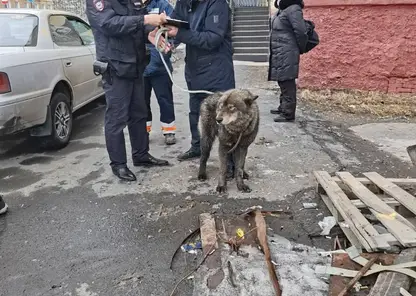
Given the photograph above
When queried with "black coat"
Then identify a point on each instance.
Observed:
(288, 38)
(209, 56)
(120, 35)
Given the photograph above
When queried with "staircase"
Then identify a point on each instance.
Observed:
(251, 33)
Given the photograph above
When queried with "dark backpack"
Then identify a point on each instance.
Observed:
(313, 37)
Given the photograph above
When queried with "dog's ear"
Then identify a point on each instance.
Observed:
(250, 99)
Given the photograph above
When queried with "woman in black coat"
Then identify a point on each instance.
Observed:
(288, 38)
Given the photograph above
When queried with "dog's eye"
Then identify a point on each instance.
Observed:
(231, 107)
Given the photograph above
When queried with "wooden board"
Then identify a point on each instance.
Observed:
(388, 200)
(402, 196)
(337, 283)
(401, 228)
(388, 283)
(397, 181)
(357, 223)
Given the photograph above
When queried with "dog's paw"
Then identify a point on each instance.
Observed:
(244, 188)
(202, 177)
(246, 176)
(221, 189)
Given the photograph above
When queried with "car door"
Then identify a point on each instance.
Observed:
(85, 32)
(76, 58)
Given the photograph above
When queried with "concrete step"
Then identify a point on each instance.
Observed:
(251, 38)
(251, 17)
(250, 27)
(262, 22)
(251, 50)
(251, 10)
(246, 13)
(251, 44)
(239, 33)
(251, 57)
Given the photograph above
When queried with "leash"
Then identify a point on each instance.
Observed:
(236, 144)
(163, 31)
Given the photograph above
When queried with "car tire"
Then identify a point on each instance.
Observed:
(61, 120)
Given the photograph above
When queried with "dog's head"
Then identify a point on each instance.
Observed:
(234, 107)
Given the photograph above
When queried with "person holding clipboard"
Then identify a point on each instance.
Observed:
(209, 55)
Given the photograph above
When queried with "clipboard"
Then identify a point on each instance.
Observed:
(177, 23)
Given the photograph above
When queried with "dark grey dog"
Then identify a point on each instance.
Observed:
(233, 116)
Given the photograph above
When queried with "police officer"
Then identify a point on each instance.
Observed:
(209, 62)
(121, 28)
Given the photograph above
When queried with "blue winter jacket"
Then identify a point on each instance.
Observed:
(209, 53)
(156, 67)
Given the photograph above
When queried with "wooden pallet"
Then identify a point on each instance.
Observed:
(348, 197)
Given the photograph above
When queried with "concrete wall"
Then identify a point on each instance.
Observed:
(365, 44)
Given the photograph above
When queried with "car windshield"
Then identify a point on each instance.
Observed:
(18, 29)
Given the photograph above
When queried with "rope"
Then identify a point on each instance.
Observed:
(163, 31)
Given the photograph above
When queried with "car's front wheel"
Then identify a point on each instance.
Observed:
(61, 118)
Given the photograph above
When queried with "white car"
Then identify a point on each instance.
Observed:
(46, 72)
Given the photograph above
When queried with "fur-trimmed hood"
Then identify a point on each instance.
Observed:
(283, 4)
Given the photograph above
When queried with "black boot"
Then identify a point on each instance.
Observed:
(276, 111)
(150, 161)
(124, 174)
(282, 118)
(192, 153)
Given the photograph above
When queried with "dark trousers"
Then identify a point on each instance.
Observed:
(195, 101)
(162, 86)
(288, 98)
(126, 106)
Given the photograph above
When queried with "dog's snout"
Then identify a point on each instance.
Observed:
(219, 120)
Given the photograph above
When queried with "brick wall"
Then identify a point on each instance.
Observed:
(365, 44)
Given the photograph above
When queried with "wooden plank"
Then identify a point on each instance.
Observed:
(208, 232)
(358, 224)
(397, 181)
(347, 231)
(405, 198)
(262, 237)
(387, 237)
(389, 283)
(403, 292)
(209, 239)
(388, 200)
(402, 229)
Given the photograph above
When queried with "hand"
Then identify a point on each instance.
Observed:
(162, 41)
(173, 31)
(155, 20)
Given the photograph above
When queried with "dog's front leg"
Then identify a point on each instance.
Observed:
(206, 146)
(240, 159)
(222, 180)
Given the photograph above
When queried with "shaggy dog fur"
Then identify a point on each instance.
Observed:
(233, 116)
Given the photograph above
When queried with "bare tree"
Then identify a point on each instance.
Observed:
(74, 6)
